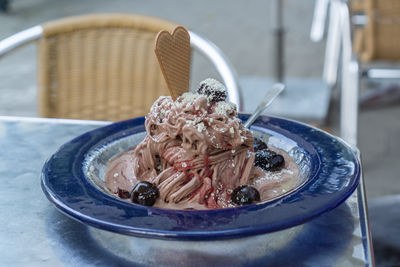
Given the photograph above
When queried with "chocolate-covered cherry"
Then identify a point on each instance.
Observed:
(259, 144)
(212, 89)
(145, 193)
(269, 160)
(244, 195)
(277, 162)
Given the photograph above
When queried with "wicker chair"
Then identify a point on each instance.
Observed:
(103, 67)
(380, 38)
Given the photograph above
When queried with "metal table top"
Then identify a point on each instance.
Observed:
(34, 233)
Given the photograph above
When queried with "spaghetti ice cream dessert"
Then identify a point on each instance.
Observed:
(198, 155)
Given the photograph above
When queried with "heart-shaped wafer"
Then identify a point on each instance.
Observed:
(173, 54)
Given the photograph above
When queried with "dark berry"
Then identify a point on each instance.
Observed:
(218, 96)
(244, 195)
(269, 160)
(213, 89)
(123, 194)
(259, 144)
(263, 157)
(145, 193)
(277, 162)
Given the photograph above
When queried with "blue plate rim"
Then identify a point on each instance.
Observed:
(232, 230)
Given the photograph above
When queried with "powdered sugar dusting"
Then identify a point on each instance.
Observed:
(187, 98)
(223, 108)
(213, 84)
(201, 127)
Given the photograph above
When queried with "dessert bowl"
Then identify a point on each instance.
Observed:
(73, 179)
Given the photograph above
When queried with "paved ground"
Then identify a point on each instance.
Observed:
(242, 29)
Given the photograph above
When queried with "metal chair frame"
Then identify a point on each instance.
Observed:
(204, 46)
(339, 58)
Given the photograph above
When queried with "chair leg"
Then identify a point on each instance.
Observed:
(349, 103)
(332, 52)
(319, 20)
(350, 81)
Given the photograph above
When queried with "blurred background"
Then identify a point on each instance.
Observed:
(245, 32)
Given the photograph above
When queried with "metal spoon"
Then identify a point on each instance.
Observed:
(276, 89)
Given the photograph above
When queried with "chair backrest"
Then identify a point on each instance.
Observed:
(99, 67)
(380, 39)
(103, 66)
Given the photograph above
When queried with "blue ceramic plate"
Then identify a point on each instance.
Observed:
(73, 180)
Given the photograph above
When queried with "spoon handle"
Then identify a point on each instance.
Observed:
(276, 89)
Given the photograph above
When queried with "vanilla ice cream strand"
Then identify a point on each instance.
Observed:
(185, 190)
(216, 175)
(223, 173)
(204, 172)
(171, 154)
(235, 166)
(194, 141)
(173, 125)
(246, 172)
(170, 184)
(218, 166)
(225, 155)
(167, 172)
(201, 163)
(204, 189)
(143, 163)
(156, 133)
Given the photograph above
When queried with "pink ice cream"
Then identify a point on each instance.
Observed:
(197, 152)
